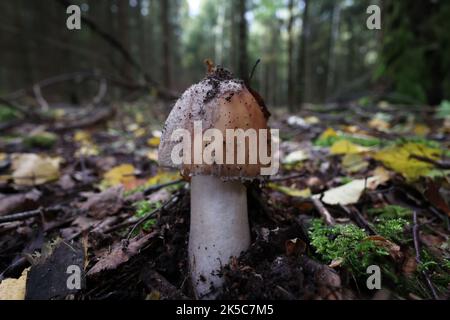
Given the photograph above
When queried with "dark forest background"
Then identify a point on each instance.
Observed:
(311, 51)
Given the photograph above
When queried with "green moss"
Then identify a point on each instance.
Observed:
(347, 243)
(365, 142)
(41, 140)
(392, 229)
(8, 114)
(390, 212)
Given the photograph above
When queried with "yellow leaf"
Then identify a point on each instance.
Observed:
(328, 133)
(379, 124)
(305, 193)
(312, 120)
(354, 162)
(153, 142)
(119, 175)
(87, 149)
(30, 169)
(153, 155)
(81, 136)
(163, 177)
(139, 133)
(2, 156)
(14, 289)
(421, 130)
(401, 160)
(346, 147)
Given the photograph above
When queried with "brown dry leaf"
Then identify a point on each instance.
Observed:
(392, 248)
(434, 196)
(18, 202)
(120, 254)
(294, 247)
(108, 202)
(409, 266)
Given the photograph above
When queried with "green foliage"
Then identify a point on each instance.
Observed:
(365, 142)
(41, 140)
(392, 228)
(346, 242)
(443, 110)
(143, 208)
(390, 212)
(7, 114)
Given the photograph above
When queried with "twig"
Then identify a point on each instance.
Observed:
(323, 211)
(253, 69)
(438, 164)
(415, 230)
(151, 215)
(152, 189)
(294, 176)
(21, 215)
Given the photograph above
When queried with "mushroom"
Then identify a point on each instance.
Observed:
(219, 226)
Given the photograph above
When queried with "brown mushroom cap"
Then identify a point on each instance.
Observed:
(220, 102)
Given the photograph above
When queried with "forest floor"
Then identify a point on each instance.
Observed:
(360, 185)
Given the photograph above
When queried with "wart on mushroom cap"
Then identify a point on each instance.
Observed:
(219, 222)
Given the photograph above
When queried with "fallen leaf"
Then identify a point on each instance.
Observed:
(421, 130)
(295, 247)
(14, 289)
(108, 202)
(30, 169)
(354, 163)
(296, 156)
(163, 177)
(351, 192)
(121, 174)
(120, 254)
(154, 141)
(434, 196)
(153, 155)
(346, 147)
(305, 193)
(19, 202)
(401, 159)
(329, 132)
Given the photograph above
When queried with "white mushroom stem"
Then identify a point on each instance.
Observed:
(219, 230)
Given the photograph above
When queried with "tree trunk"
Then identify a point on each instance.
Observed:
(166, 71)
(123, 8)
(242, 41)
(302, 74)
(290, 64)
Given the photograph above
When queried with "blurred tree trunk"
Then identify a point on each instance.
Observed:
(290, 64)
(123, 24)
(333, 37)
(242, 41)
(302, 62)
(166, 41)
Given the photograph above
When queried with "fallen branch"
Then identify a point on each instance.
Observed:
(323, 212)
(21, 215)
